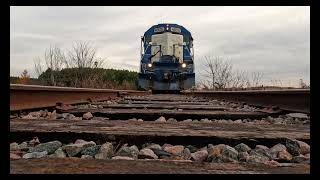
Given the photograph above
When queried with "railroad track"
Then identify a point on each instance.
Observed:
(136, 132)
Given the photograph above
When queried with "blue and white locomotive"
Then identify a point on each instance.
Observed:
(167, 59)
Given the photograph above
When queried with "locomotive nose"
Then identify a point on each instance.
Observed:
(166, 76)
(168, 59)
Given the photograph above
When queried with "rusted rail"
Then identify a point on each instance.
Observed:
(291, 100)
(87, 166)
(24, 97)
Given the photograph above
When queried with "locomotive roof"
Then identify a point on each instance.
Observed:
(184, 31)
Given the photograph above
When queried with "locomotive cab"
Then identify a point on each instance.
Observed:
(166, 59)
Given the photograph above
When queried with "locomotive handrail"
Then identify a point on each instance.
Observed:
(156, 52)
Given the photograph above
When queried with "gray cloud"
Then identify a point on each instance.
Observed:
(273, 40)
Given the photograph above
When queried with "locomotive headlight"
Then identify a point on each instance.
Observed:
(149, 65)
(184, 65)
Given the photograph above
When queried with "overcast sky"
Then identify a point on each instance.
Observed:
(272, 40)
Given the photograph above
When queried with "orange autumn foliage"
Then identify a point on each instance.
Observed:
(24, 78)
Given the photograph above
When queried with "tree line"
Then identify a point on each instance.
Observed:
(81, 67)
(219, 74)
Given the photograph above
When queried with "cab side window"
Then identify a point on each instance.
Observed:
(147, 39)
(186, 39)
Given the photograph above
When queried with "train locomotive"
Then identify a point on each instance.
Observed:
(167, 59)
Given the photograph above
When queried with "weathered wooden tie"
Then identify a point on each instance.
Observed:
(153, 114)
(141, 132)
(87, 166)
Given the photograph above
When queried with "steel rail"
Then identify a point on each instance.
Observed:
(23, 97)
(297, 100)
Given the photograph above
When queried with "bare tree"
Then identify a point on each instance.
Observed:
(198, 86)
(303, 84)
(239, 79)
(256, 78)
(276, 82)
(280, 82)
(204, 84)
(220, 74)
(219, 71)
(83, 55)
(54, 59)
(38, 66)
(272, 82)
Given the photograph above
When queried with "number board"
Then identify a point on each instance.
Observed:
(177, 30)
(160, 29)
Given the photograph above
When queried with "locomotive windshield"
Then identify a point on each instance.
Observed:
(167, 44)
